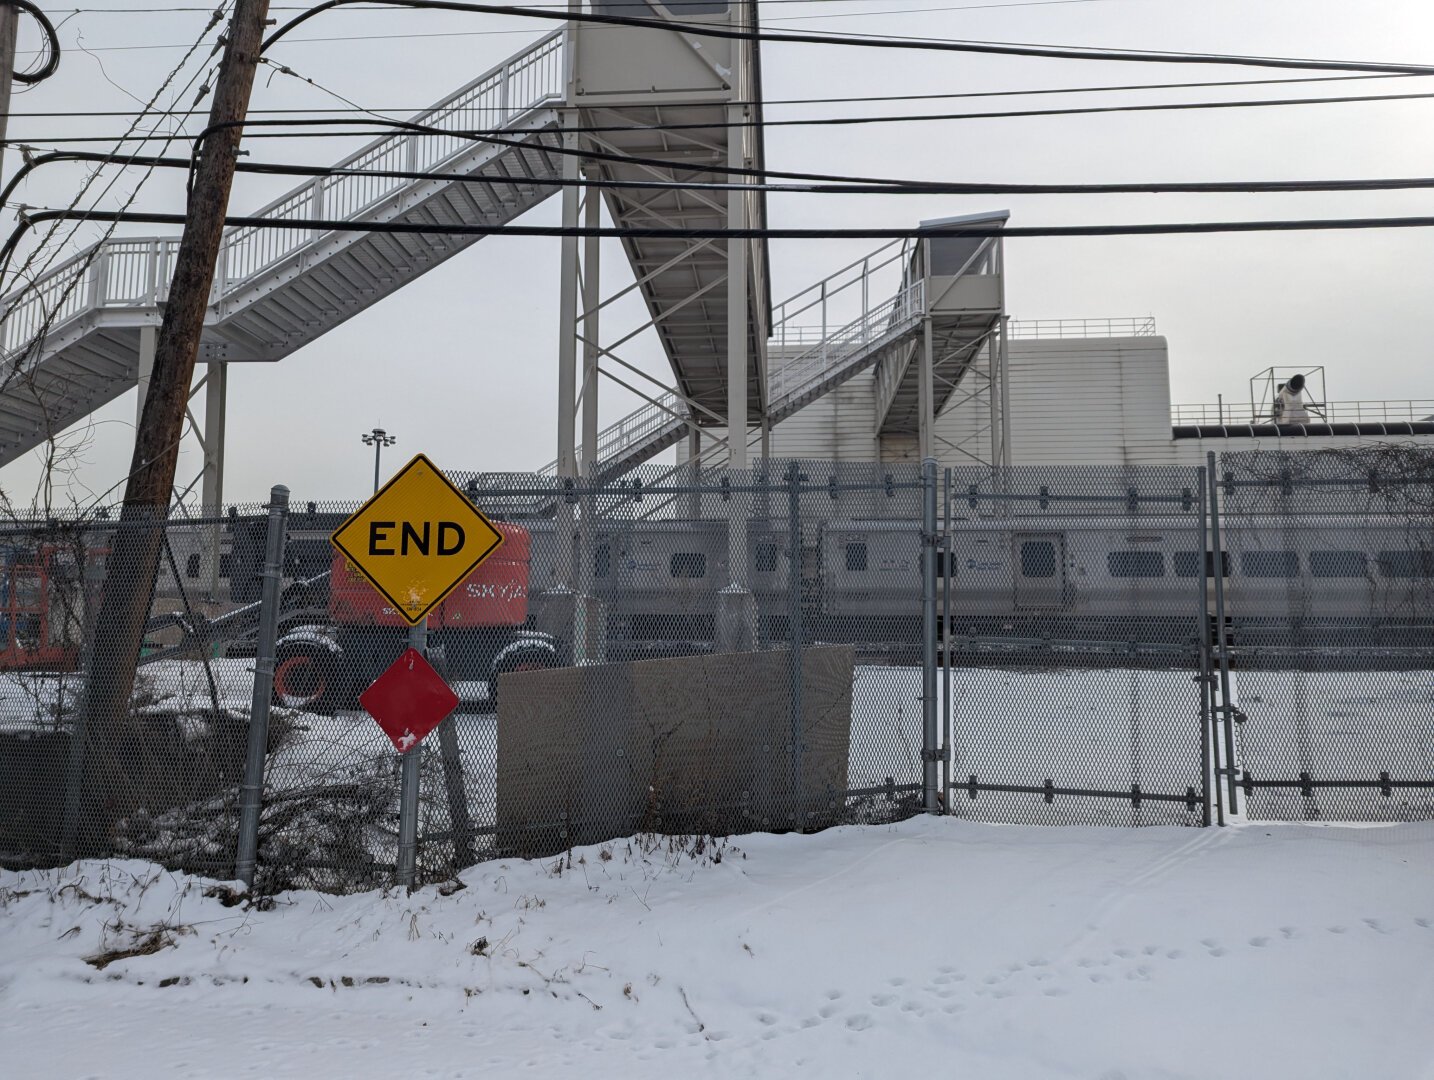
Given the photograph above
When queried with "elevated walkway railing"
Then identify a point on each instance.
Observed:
(806, 348)
(1328, 412)
(135, 273)
(1140, 326)
(790, 381)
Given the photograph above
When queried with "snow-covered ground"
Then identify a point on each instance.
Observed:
(931, 948)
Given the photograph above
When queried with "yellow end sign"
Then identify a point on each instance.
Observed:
(417, 539)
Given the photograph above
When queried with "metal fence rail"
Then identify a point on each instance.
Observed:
(802, 644)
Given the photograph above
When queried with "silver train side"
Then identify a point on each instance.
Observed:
(1289, 582)
(1294, 581)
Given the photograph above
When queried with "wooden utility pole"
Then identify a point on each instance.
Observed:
(9, 29)
(121, 774)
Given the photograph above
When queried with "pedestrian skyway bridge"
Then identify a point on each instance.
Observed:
(83, 334)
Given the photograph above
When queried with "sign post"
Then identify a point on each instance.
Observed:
(408, 785)
(415, 541)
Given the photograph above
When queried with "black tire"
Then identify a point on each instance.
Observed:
(306, 678)
(529, 658)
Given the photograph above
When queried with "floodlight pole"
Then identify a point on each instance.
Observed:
(378, 439)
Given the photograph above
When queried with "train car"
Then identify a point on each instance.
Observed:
(660, 579)
(1324, 580)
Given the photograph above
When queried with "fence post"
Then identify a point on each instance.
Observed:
(1225, 707)
(408, 790)
(1208, 778)
(930, 736)
(251, 793)
(794, 636)
(946, 576)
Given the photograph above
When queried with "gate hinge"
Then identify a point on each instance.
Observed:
(937, 755)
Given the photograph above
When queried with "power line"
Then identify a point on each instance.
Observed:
(834, 186)
(769, 102)
(870, 41)
(764, 124)
(667, 3)
(624, 232)
(505, 33)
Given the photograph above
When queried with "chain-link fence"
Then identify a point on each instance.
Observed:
(790, 647)
(1329, 606)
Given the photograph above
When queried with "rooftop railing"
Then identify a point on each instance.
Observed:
(1082, 328)
(1328, 412)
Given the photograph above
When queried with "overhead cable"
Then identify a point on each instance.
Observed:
(821, 121)
(708, 30)
(833, 186)
(626, 232)
(769, 102)
(51, 63)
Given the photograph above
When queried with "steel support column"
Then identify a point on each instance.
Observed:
(926, 393)
(567, 355)
(556, 608)
(736, 619)
(589, 618)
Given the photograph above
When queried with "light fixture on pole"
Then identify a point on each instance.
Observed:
(378, 439)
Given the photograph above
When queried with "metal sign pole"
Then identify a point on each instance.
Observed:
(408, 791)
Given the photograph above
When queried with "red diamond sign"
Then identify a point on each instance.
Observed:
(409, 700)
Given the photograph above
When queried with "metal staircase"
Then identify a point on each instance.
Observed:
(71, 343)
(808, 357)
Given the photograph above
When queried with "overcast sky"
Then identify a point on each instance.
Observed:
(461, 364)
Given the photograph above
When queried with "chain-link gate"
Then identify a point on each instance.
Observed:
(1330, 642)
(1074, 645)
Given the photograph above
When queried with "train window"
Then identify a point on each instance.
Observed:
(856, 557)
(1270, 564)
(1038, 559)
(1339, 564)
(688, 564)
(1406, 564)
(1135, 563)
(766, 558)
(1187, 564)
(602, 560)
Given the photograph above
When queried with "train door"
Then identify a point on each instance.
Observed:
(1039, 560)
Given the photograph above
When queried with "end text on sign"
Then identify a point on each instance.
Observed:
(446, 539)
